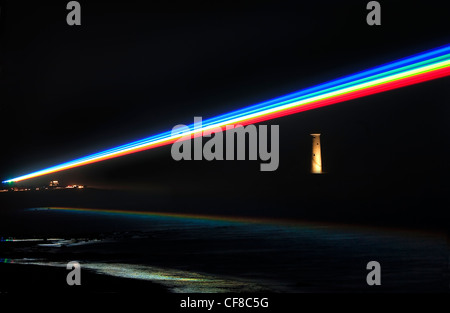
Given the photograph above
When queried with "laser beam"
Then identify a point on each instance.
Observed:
(408, 71)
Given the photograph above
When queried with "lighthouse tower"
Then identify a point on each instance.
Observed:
(316, 157)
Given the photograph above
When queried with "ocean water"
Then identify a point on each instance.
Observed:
(199, 253)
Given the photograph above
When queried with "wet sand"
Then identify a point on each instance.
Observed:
(33, 279)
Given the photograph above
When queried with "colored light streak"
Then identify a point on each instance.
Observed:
(272, 221)
(408, 71)
(205, 217)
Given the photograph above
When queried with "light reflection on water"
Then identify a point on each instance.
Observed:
(199, 253)
(177, 281)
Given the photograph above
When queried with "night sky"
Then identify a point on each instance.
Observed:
(133, 70)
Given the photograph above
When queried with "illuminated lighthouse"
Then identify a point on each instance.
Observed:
(316, 157)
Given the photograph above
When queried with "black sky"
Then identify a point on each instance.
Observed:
(134, 69)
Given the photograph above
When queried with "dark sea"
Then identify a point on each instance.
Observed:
(201, 253)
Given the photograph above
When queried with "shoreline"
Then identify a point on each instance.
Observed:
(25, 278)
